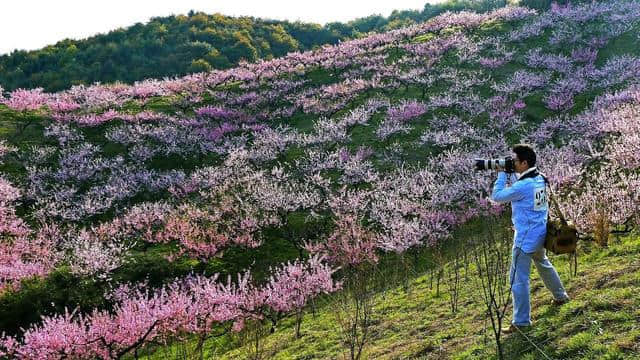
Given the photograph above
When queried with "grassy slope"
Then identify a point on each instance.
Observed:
(601, 322)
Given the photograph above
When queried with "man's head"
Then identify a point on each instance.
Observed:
(524, 157)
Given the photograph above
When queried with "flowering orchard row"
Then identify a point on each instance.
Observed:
(195, 305)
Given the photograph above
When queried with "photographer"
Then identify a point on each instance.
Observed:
(529, 204)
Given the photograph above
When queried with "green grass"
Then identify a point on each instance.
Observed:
(601, 322)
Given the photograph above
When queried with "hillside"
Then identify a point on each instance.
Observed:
(218, 208)
(601, 321)
(183, 44)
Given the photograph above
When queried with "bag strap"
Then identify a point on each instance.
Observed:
(552, 196)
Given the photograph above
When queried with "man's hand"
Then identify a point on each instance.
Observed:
(502, 192)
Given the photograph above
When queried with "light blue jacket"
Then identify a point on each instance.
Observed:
(529, 208)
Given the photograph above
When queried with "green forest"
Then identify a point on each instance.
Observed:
(182, 44)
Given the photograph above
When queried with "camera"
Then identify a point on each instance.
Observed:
(505, 164)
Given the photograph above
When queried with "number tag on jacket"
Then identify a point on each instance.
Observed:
(540, 199)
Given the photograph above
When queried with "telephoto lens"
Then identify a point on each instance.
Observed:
(505, 164)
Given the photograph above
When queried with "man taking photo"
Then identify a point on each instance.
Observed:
(529, 208)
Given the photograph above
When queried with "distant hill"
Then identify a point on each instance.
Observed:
(178, 45)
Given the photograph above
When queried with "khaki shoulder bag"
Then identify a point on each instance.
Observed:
(562, 237)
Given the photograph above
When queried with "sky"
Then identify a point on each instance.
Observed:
(31, 24)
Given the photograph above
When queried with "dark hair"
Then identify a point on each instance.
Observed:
(525, 152)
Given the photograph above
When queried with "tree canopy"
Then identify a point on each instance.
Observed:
(183, 44)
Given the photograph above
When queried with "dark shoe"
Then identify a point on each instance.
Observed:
(514, 328)
(557, 302)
